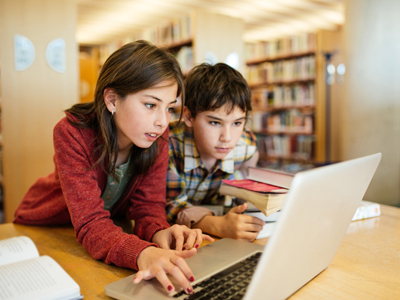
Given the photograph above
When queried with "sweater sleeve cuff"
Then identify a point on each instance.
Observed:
(191, 215)
(152, 228)
(129, 252)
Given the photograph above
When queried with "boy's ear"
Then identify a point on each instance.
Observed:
(110, 99)
(187, 116)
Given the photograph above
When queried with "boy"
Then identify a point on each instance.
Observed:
(210, 145)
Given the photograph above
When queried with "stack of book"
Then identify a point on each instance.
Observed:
(265, 189)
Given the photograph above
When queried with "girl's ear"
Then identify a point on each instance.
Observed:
(187, 116)
(110, 99)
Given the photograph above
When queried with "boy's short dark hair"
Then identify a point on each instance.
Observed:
(209, 87)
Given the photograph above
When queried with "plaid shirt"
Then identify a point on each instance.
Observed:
(188, 181)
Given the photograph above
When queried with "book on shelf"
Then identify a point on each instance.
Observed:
(367, 209)
(298, 44)
(26, 275)
(270, 176)
(265, 197)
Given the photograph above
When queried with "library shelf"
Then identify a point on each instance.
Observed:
(282, 76)
(277, 58)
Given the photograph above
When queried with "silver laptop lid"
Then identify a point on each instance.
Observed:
(315, 216)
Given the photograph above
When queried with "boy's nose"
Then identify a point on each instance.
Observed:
(226, 135)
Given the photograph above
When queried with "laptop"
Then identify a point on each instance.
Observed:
(317, 211)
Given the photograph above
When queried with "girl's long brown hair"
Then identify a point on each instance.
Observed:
(132, 68)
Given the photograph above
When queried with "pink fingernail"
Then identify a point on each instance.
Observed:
(196, 246)
(170, 288)
(191, 278)
(189, 290)
(184, 248)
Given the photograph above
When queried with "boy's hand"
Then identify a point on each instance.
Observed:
(179, 237)
(233, 225)
(156, 262)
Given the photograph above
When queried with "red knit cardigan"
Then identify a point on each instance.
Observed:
(71, 194)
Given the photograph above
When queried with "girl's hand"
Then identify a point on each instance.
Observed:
(156, 262)
(179, 237)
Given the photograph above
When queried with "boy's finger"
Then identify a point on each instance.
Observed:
(206, 237)
(238, 209)
(253, 228)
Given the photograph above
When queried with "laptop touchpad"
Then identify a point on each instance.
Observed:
(201, 263)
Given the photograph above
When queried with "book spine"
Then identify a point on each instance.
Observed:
(367, 211)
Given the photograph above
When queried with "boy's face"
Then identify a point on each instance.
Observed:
(216, 132)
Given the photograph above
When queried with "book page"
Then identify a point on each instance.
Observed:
(16, 249)
(37, 278)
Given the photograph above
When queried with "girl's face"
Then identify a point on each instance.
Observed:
(142, 117)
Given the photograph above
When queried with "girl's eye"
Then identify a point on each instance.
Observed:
(171, 110)
(237, 123)
(150, 105)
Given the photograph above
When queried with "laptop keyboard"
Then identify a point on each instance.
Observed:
(230, 283)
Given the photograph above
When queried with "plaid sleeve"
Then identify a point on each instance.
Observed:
(176, 183)
(250, 141)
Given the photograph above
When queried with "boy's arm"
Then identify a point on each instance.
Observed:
(179, 209)
(234, 225)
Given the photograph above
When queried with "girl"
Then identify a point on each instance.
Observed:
(111, 159)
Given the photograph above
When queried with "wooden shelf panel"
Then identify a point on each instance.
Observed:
(271, 84)
(277, 58)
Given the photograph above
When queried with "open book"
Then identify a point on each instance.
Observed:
(26, 275)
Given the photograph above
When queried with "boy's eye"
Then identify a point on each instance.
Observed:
(214, 123)
(150, 105)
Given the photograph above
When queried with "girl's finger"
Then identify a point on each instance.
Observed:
(138, 277)
(191, 238)
(186, 254)
(179, 269)
(179, 239)
(164, 280)
(164, 245)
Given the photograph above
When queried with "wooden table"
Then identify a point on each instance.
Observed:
(366, 266)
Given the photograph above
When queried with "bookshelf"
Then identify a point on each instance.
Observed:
(283, 76)
(193, 38)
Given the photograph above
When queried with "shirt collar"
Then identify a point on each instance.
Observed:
(192, 155)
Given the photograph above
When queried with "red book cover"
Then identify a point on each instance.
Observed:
(255, 186)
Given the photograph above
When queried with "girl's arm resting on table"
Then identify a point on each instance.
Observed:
(147, 206)
(79, 182)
